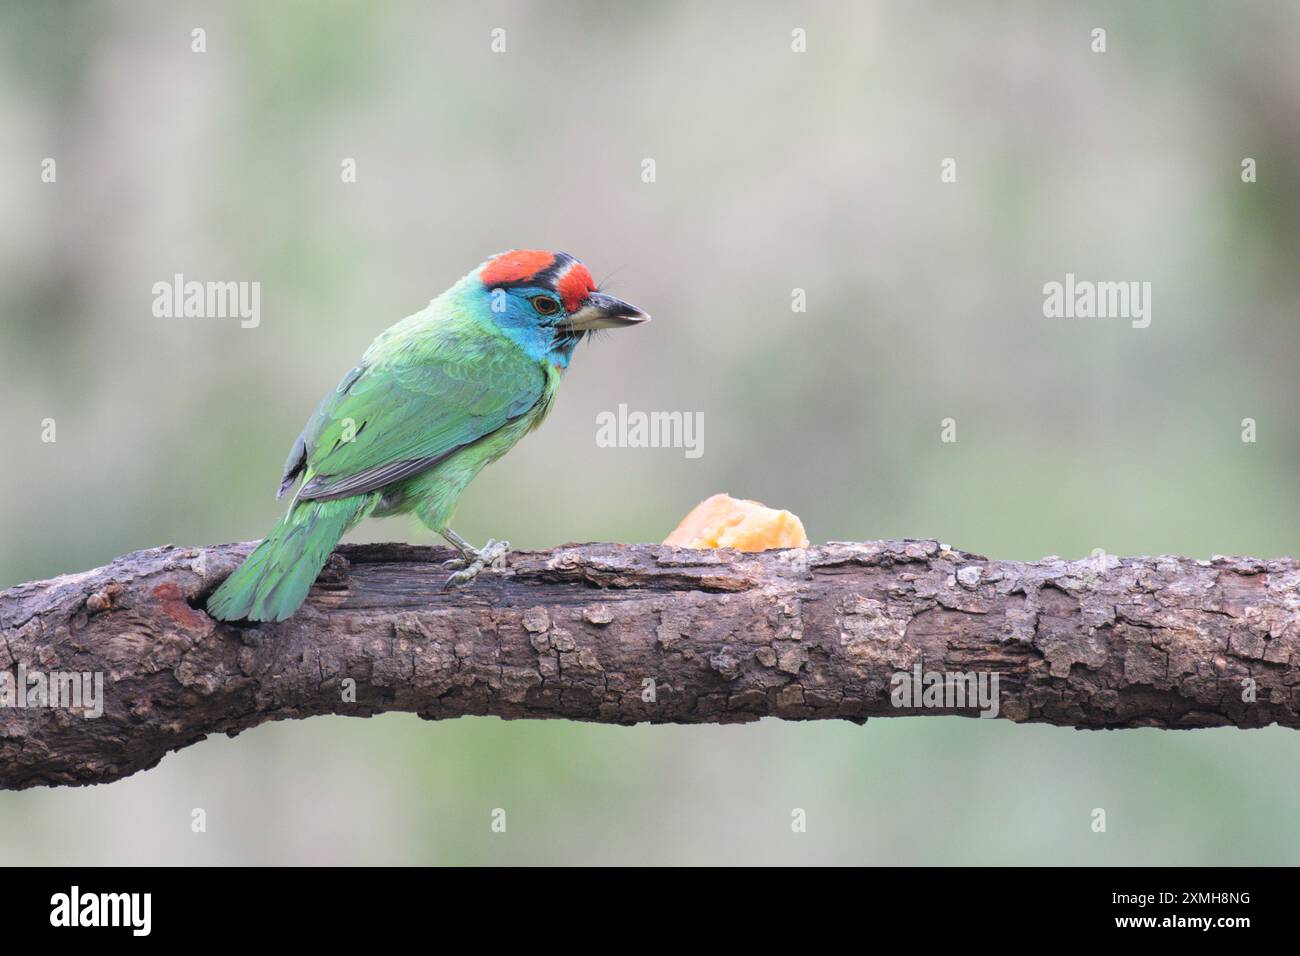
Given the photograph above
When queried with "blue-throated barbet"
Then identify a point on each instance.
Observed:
(435, 398)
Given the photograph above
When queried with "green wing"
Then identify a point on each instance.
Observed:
(407, 408)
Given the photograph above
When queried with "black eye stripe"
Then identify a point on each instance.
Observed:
(546, 278)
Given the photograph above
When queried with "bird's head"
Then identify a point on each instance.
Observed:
(547, 301)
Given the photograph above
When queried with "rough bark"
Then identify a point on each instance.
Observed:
(585, 631)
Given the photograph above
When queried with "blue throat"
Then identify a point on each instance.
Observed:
(537, 335)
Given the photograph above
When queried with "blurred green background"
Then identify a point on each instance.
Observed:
(775, 170)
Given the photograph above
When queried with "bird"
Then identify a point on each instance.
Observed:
(434, 399)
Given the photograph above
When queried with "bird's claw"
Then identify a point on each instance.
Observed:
(493, 555)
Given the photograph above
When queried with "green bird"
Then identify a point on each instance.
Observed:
(435, 398)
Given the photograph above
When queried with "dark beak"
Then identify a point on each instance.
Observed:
(601, 311)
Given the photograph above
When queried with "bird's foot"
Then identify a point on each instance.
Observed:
(475, 560)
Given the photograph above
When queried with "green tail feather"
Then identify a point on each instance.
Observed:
(274, 580)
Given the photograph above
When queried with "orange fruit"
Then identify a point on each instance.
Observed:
(722, 521)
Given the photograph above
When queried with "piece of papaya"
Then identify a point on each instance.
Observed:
(722, 521)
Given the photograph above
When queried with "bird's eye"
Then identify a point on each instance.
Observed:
(545, 305)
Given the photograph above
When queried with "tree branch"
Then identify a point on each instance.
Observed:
(629, 633)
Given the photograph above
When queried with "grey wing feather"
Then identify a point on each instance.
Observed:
(372, 479)
(297, 462)
(294, 466)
